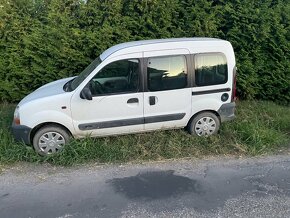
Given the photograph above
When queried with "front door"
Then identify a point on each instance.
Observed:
(117, 104)
(167, 102)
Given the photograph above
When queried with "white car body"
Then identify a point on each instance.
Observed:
(111, 114)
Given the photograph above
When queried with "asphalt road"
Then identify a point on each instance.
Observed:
(216, 187)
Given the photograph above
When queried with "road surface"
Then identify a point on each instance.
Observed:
(212, 187)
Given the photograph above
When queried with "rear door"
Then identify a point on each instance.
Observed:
(167, 96)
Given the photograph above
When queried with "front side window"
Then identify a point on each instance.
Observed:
(210, 69)
(166, 73)
(117, 77)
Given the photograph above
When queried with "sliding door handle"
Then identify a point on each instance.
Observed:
(152, 100)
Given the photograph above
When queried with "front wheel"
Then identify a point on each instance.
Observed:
(50, 139)
(204, 124)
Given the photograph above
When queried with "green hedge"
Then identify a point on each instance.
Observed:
(44, 40)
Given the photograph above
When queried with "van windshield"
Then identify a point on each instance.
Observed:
(83, 75)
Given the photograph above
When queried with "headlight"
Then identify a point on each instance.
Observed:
(16, 116)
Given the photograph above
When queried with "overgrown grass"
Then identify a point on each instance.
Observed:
(260, 128)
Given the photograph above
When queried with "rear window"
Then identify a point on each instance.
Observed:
(210, 69)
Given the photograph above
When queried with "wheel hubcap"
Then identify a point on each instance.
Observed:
(205, 126)
(51, 142)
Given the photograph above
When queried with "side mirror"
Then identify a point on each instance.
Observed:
(86, 94)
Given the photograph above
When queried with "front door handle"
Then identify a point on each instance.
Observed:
(152, 100)
(133, 100)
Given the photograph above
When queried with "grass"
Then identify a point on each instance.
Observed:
(260, 128)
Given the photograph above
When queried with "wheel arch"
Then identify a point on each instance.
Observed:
(203, 111)
(39, 126)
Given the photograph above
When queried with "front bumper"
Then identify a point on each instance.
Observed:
(21, 133)
(227, 111)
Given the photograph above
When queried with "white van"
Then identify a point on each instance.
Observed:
(134, 87)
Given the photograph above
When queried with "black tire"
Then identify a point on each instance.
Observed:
(204, 124)
(50, 139)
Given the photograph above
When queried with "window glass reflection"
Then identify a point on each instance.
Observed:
(210, 69)
(165, 73)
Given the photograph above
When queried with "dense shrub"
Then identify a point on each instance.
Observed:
(44, 40)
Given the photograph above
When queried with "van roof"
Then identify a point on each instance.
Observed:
(125, 45)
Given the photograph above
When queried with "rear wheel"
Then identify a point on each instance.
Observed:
(50, 139)
(204, 124)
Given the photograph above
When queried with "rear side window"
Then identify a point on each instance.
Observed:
(210, 69)
(167, 73)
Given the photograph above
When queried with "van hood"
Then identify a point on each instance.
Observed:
(47, 90)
